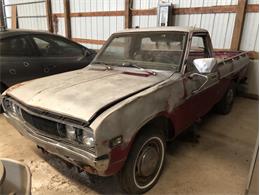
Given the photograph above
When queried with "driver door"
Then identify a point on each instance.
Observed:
(201, 89)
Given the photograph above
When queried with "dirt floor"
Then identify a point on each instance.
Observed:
(214, 161)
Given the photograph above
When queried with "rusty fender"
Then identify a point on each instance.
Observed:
(127, 117)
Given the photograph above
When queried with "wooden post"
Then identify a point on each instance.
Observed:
(2, 20)
(67, 18)
(14, 17)
(239, 23)
(49, 15)
(128, 13)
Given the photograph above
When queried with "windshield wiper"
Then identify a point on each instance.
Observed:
(100, 62)
(128, 64)
(108, 66)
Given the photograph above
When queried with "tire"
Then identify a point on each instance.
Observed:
(226, 103)
(145, 162)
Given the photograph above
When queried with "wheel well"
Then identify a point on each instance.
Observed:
(162, 123)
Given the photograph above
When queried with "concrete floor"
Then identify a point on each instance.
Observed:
(217, 164)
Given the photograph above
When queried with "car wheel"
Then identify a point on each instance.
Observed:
(144, 164)
(226, 103)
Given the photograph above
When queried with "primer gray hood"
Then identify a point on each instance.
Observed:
(80, 94)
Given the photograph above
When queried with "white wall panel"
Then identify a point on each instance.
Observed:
(250, 34)
(57, 6)
(253, 1)
(61, 26)
(137, 4)
(253, 77)
(98, 28)
(29, 10)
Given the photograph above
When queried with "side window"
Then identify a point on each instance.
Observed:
(198, 49)
(197, 44)
(57, 47)
(15, 47)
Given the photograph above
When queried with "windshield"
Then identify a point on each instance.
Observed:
(151, 50)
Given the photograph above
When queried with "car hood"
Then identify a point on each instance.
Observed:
(82, 93)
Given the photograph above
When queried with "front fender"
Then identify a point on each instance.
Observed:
(127, 117)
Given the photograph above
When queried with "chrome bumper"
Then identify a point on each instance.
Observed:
(67, 152)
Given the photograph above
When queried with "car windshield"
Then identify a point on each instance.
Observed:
(149, 50)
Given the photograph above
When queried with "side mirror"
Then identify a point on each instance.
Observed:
(205, 77)
(205, 65)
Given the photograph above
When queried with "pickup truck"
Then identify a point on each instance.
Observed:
(115, 116)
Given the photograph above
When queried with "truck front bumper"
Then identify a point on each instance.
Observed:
(83, 159)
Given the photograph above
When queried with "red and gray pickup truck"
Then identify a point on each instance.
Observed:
(143, 89)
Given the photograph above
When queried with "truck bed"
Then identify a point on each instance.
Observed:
(231, 62)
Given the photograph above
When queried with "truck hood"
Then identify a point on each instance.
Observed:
(82, 93)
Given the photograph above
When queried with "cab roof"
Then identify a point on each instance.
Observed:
(188, 29)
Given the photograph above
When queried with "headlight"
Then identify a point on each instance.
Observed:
(89, 141)
(10, 106)
(81, 136)
(88, 138)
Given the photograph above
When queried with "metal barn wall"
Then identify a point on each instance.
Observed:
(97, 28)
(250, 42)
(37, 9)
(220, 26)
(58, 7)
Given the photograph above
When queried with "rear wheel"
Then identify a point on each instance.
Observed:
(144, 164)
(226, 103)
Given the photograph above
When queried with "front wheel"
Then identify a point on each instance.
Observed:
(144, 164)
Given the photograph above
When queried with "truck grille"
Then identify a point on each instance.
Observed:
(41, 124)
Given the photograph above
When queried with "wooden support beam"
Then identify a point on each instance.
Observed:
(89, 41)
(252, 8)
(144, 12)
(67, 18)
(49, 15)
(206, 10)
(2, 21)
(239, 22)
(14, 17)
(177, 11)
(98, 13)
(128, 13)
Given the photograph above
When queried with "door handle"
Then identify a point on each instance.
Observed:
(26, 64)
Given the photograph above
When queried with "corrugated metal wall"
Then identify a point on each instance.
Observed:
(250, 42)
(220, 26)
(58, 7)
(97, 28)
(37, 9)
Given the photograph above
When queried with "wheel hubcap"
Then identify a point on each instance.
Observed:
(147, 161)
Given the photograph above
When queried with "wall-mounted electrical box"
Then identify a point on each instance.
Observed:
(164, 16)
